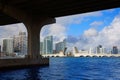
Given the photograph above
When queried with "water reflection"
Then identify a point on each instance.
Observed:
(13, 74)
(69, 69)
(32, 74)
(21, 74)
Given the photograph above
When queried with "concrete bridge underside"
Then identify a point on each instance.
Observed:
(37, 13)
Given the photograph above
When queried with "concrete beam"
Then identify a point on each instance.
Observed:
(14, 12)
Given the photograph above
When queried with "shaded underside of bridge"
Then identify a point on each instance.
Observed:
(53, 8)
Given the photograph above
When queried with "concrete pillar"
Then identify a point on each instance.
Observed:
(34, 26)
(33, 40)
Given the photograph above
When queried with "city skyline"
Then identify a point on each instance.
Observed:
(19, 44)
(82, 30)
(45, 48)
(88, 29)
(15, 45)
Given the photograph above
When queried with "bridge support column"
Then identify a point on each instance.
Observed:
(33, 24)
(33, 27)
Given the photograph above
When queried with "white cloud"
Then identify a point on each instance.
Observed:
(112, 32)
(59, 30)
(90, 32)
(108, 37)
(8, 31)
(110, 10)
(56, 30)
(96, 23)
(76, 19)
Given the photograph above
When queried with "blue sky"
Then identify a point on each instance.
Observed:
(88, 29)
(81, 30)
(106, 17)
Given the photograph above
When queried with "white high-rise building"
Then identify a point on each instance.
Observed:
(48, 45)
(8, 46)
(90, 50)
(60, 46)
(41, 48)
(0, 48)
(20, 43)
(16, 44)
(75, 50)
(100, 49)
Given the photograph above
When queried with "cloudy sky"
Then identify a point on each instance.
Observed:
(84, 31)
(87, 30)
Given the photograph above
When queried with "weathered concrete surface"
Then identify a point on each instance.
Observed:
(22, 63)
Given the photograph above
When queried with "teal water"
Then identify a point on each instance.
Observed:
(69, 69)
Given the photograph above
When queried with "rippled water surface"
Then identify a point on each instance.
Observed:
(69, 69)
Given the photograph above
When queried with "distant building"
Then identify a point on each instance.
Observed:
(48, 45)
(0, 48)
(99, 49)
(75, 50)
(84, 51)
(115, 50)
(8, 46)
(20, 43)
(16, 43)
(23, 42)
(90, 50)
(41, 48)
(0, 51)
(60, 46)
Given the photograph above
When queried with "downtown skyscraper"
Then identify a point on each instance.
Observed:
(115, 50)
(41, 47)
(8, 46)
(0, 48)
(48, 45)
(20, 43)
(99, 49)
(60, 46)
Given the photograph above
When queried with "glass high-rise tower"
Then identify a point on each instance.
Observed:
(41, 48)
(60, 46)
(8, 46)
(115, 50)
(48, 45)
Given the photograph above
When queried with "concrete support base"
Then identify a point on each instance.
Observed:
(6, 64)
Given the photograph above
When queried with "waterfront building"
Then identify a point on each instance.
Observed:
(0, 51)
(8, 46)
(90, 51)
(20, 43)
(83, 51)
(16, 44)
(99, 49)
(23, 43)
(60, 46)
(106, 51)
(41, 48)
(115, 50)
(48, 45)
(75, 50)
(0, 48)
